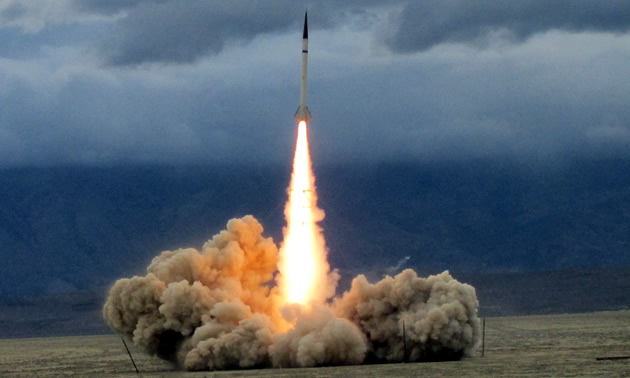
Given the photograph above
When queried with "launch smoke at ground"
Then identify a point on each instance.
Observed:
(241, 303)
(217, 308)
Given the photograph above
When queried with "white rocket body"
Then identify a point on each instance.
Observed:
(303, 113)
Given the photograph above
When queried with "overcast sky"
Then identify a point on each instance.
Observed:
(101, 82)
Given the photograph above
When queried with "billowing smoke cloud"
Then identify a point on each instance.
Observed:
(439, 313)
(218, 308)
(319, 338)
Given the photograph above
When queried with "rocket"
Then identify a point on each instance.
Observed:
(302, 113)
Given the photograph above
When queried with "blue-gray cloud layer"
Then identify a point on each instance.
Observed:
(179, 32)
(172, 32)
(102, 82)
(424, 24)
(175, 31)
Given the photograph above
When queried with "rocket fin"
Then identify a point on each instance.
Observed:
(302, 114)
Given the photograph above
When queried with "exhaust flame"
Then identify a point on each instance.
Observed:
(303, 267)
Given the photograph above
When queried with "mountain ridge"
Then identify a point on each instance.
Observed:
(77, 228)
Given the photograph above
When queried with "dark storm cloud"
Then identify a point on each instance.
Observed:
(171, 31)
(13, 12)
(109, 6)
(181, 32)
(556, 93)
(424, 24)
(560, 95)
(82, 115)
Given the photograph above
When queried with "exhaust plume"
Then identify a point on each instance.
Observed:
(305, 277)
(396, 268)
(219, 308)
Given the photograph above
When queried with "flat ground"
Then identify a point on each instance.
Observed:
(549, 345)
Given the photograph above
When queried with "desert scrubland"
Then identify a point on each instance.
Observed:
(552, 345)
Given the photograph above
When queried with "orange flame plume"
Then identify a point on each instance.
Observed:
(303, 265)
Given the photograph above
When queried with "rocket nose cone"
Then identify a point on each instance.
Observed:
(305, 34)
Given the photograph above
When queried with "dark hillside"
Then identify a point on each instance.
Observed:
(67, 229)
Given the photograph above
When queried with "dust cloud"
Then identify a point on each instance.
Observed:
(220, 308)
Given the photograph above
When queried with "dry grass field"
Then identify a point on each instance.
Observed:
(550, 345)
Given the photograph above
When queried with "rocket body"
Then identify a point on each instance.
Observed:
(303, 113)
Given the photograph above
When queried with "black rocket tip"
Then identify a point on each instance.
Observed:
(305, 34)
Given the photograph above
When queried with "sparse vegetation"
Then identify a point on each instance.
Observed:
(550, 345)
